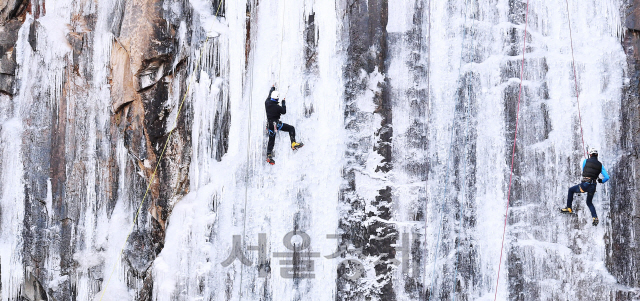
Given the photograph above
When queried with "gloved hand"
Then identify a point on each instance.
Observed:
(283, 102)
(599, 180)
(273, 88)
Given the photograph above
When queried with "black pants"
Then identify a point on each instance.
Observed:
(587, 187)
(279, 126)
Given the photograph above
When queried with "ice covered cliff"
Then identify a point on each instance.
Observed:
(407, 109)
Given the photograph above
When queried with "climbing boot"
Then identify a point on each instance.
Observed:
(296, 145)
(595, 221)
(566, 210)
(270, 159)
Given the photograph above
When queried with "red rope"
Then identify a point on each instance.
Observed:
(575, 77)
(513, 153)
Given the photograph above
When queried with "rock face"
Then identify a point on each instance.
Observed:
(622, 257)
(365, 73)
(12, 16)
(93, 128)
(132, 150)
(144, 54)
(12, 9)
(143, 60)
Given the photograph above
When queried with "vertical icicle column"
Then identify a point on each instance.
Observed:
(188, 266)
(458, 43)
(65, 101)
(12, 199)
(12, 206)
(624, 194)
(408, 78)
(52, 212)
(367, 194)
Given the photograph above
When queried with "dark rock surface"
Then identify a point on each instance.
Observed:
(623, 255)
(12, 9)
(367, 52)
(11, 19)
(57, 133)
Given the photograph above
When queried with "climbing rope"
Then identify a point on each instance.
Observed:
(246, 186)
(447, 180)
(159, 160)
(284, 6)
(513, 152)
(575, 77)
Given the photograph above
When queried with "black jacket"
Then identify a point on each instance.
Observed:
(592, 168)
(274, 110)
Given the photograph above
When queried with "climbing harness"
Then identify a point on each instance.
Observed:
(158, 163)
(276, 127)
(513, 152)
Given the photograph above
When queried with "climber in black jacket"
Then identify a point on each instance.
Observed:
(591, 170)
(274, 110)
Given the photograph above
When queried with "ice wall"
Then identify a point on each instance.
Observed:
(407, 110)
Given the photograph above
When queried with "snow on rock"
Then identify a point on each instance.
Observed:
(132, 146)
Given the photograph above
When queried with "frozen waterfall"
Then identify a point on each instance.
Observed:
(133, 145)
